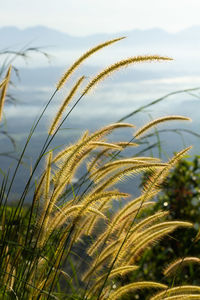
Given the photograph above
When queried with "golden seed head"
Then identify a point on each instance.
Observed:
(86, 55)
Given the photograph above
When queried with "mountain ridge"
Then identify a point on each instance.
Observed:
(44, 36)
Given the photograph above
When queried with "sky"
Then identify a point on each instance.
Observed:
(84, 17)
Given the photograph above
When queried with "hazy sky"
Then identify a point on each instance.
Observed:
(82, 17)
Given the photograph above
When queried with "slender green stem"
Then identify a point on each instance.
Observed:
(141, 108)
(44, 149)
(27, 142)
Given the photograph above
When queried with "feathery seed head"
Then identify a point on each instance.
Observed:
(118, 65)
(86, 55)
(64, 105)
(179, 263)
(178, 293)
(134, 286)
(158, 121)
(3, 87)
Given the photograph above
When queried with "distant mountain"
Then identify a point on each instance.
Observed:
(39, 35)
(183, 47)
(43, 36)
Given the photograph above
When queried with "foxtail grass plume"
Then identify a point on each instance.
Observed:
(118, 65)
(2, 83)
(86, 55)
(184, 292)
(3, 87)
(158, 121)
(152, 234)
(134, 287)
(64, 105)
(114, 273)
(179, 263)
(154, 181)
